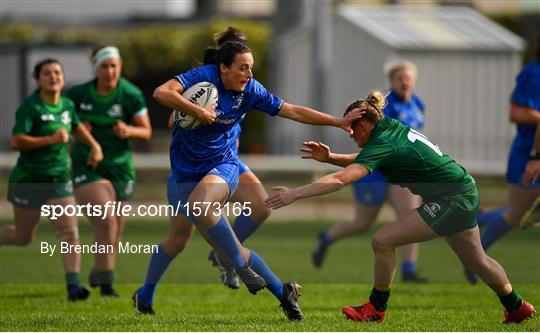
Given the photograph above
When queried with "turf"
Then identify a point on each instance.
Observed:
(32, 299)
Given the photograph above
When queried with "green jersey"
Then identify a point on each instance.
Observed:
(407, 158)
(37, 118)
(103, 112)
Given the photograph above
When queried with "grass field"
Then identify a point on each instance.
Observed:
(32, 299)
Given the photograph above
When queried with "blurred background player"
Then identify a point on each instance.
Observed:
(449, 209)
(115, 112)
(41, 132)
(525, 112)
(371, 192)
(532, 173)
(205, 168)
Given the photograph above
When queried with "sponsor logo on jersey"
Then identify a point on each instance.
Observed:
(115, 111)
(80, 179)
(85, 107)
(65, 118)
(432, 208)
(47, 117)
(20, 200)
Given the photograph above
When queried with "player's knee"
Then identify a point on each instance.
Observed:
(379, 243)
(68, 234)
(260, 214)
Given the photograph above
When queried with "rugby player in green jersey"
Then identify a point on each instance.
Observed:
(450, 202)
(41, 176)
(115, 112)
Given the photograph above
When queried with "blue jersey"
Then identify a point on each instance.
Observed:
(235, 135)
(200, 149)
(527, 93)
(410, 114)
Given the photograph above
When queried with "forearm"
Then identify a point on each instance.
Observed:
(342, 160)
(326, 184)
(140, 133)
(172, 99)
(27, 142)
(524, 115)
(309, 116)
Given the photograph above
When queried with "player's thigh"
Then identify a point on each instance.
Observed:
(520, 200)
(409, 229)
(402, 200)
(365, 215)
(251, 192)
(96, 192)
(211, 188)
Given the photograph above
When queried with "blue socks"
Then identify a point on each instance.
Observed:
(324, 238)
(484, 217)
(159, 262)
(222, 236)
(494, 229)
(244, 226)
(274, 284)
(408, 267)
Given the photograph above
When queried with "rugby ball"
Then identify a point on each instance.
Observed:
(203, 94)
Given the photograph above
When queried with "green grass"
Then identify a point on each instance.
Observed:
(32, 297)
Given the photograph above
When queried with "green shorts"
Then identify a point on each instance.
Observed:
(30, 191)
(122, 177)
(451, 214)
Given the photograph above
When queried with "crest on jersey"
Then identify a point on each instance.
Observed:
(65, 118)
(115, 111)
(238, 102)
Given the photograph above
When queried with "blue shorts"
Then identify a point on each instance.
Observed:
(242, 167)
(517, 162)
(371, 190)
(180, 186)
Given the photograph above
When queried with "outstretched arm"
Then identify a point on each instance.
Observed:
(306, 115)
(326, 184)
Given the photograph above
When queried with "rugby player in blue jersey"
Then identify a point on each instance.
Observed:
(525, 112)
(371, 192)
(204, 168)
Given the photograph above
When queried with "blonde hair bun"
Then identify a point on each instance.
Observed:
(377, 99)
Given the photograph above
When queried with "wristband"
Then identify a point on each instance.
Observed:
(535, 155)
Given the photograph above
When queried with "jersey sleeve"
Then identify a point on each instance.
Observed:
(195, 75)
(24, 120)
(527, 90)
(374, 154)
(265, 101)
(138, 104)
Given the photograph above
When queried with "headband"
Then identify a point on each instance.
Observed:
(104, 53)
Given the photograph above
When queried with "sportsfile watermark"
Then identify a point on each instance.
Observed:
(119, 209)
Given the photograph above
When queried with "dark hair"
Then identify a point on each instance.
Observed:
(230, 34)
(374, 103)
(40, 64)
(225, 53)
(96, 49)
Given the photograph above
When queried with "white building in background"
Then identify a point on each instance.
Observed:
(466, 63)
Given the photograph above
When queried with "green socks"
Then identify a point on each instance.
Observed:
(511, 301)
(379, 299)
